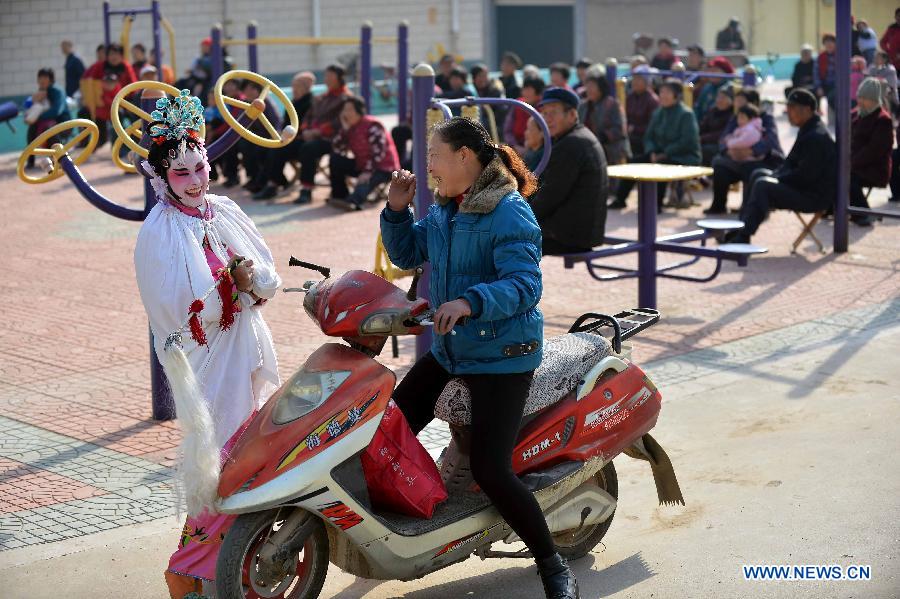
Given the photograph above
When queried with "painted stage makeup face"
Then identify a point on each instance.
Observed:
(188, 176)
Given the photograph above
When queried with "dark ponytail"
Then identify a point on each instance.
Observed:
(460, 132)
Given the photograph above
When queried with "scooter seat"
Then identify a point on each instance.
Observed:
(566, 360)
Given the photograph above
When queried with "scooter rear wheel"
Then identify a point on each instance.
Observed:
(304, 571)
(578, 542)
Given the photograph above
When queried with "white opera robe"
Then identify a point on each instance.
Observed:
(236, 371)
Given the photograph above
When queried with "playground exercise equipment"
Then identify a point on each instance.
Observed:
(648, 244)
(428, 110)
(129, 15)
(365, 41)
(58, 162)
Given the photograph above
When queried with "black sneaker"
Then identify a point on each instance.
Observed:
(266, 193)
(229, 183)
(616, 204)
(715, 211)
(305, 196)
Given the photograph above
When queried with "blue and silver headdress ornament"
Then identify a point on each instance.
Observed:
(174, 119)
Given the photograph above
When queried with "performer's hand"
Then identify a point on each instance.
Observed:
(448, 314)
(243, 274)
(402, 190)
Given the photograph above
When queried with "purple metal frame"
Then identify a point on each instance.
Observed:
(252, 49)
(402, 71)
(842, 131)
(154, 12)
(422, 91)
(647, 246)
(365, 65)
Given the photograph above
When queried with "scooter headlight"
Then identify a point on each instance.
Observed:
(305, 392)
(381, 322)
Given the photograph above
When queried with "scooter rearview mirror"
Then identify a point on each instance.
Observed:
(326, 272)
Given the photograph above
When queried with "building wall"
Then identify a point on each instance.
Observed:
(783, 25)
(611, 23)
(30, 31)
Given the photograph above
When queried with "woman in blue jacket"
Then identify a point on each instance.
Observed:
(484, 246)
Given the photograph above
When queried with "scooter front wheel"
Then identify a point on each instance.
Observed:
(578, 542)
(240, 575)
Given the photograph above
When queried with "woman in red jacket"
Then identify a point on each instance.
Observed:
(871, 141)
(374, 155)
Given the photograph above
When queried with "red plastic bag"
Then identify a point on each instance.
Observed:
(401, 476)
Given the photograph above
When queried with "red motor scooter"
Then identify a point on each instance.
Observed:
(295, 476)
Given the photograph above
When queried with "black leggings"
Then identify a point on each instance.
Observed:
(498, 401)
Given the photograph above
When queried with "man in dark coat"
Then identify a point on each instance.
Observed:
(806, 180)
(570, 205)
(730, 38)
(871, 141)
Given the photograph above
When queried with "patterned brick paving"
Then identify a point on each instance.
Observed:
(25, 487)
(74, 374)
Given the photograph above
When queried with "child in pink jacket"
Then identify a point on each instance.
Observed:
(749, 129)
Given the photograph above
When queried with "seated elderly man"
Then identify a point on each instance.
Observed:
(570, 204)
(374, 155)
(805, 182)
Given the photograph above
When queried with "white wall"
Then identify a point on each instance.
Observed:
(30, 31)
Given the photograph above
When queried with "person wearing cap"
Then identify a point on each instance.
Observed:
(713, 123)
(509, 64)
(570, 203)
(581, 72)
(672, 138)
(804, 75)
(805, 182)
(640, 104)
(871, 141)
(730, 39)
(732, 165)
(704, 100)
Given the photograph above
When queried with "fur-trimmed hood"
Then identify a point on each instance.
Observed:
(494, 183)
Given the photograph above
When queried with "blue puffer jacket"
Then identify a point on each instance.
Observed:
(487, 251)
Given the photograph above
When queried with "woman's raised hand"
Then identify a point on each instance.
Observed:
(402, 190)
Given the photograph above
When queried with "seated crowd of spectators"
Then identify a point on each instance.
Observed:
(725, 127)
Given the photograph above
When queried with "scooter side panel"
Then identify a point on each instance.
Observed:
(621, 408)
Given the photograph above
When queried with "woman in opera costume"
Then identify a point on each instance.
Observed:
(204, 273)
